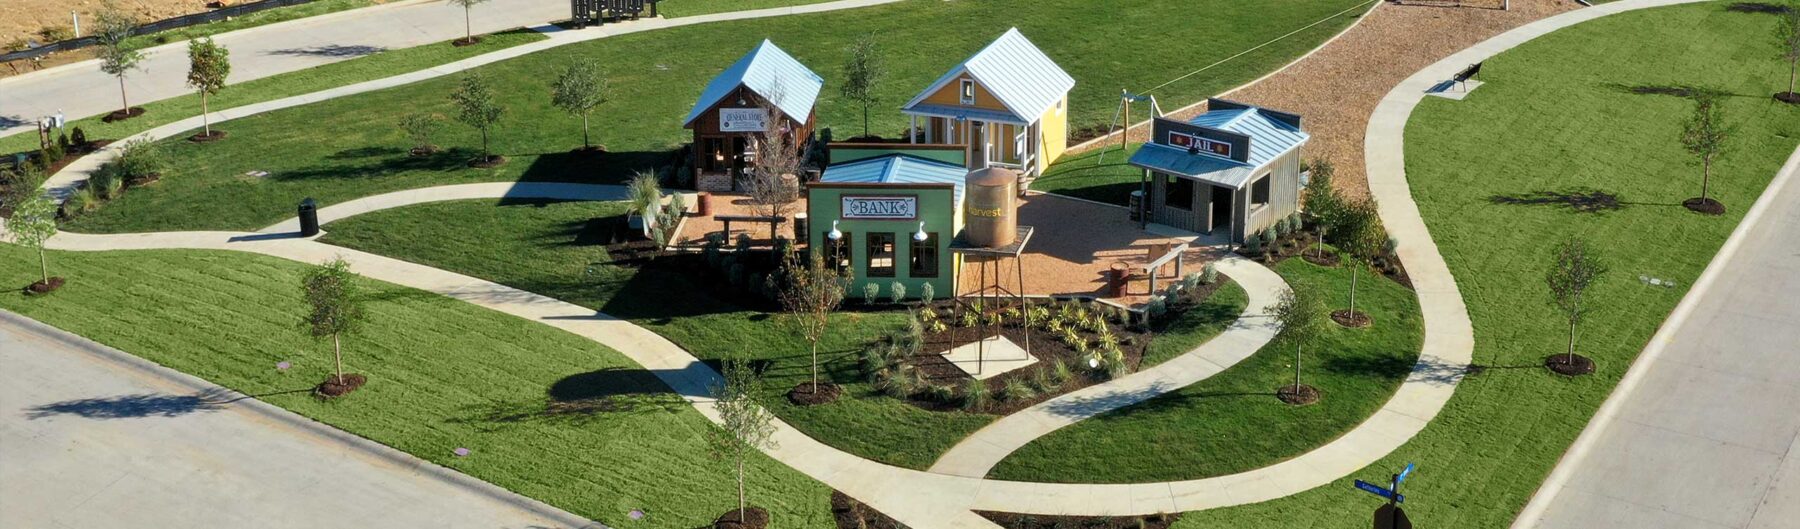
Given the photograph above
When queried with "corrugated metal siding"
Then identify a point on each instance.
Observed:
(765, 70)
(898, 169)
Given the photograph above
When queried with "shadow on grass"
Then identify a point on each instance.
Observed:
(1580, 200)
(1757, 7)
(1384, 368)
(144, 405)
(380, 165)
(601, 168)
(330, 50)
(1672, 90)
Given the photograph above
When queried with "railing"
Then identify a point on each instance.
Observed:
(154, 27)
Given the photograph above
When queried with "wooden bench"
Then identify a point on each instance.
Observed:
(774, 222)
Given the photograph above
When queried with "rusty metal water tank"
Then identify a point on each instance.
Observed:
(991, 208)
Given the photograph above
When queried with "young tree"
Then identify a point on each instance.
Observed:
(336, 306)
(862, 73)
(1787, 32)
(1360, 234)
(112, 28)
(813, 291)
(477, 108)
(419, 127)
(578, 91)
(1573, 269)
(743, 426)
(33, 223)
(468, 29)
(208, 66)
(1301, 313)
(1705, 136)
(777, 161)
(1322, 201)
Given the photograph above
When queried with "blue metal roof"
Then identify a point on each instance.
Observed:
(1025, 80)
(898, 169)
(772, 74)
(1269, 137)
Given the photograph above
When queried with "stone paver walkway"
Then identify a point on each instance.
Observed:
(95, 437)
(976, 454)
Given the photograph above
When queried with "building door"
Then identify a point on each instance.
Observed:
(979, 153)
(1221, 209)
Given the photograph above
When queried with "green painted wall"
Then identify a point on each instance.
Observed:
(936, 208)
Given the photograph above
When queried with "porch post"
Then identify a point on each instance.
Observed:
(911, 132)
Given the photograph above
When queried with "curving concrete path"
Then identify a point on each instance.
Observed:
(499, 190)
(977, 454)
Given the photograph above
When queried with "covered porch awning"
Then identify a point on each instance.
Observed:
(1207, 168)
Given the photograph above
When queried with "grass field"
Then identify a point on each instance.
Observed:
(688, 8)
(443, 374)
(1100, 175)
(1183, 332)
(1557, 115)
(350, 147)
(1232, 422)
(373, 66)
(538, 247)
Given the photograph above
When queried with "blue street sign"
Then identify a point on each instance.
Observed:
(1403, 473)
(1377, 490)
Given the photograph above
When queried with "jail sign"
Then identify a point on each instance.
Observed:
(881, 207)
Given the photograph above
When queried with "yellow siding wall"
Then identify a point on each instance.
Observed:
(951, 94)
(1055, 127)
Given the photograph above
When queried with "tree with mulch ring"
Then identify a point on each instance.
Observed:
(1301, 313)
(112, 29)
(852, 514)
(579, 90)
(743, 427)
(1573, 270)
(810, 293)
(469, 38)
(1046, 521)
(1360, 234)
(419, 127)
(208, 66)
(33, 223)
(1704, 136)
(335, 308)
(477, 107)
(1787, 32)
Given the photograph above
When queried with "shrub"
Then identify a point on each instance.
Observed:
(970, 318)
(926, 293)
(897, 292)
(1016, 389)
(676, 209)
(141, 158)
(1391, 246)
(56, 33)
(1253, 243)
(871, 292)
(1114, 366)
(938, 327)
(107, 182)
(78, 136)
(993, 319)
(975, 395)
(82, 201)
(1192, 280)
(62, 142)
(943, 394)
(1044, 381)
(54, 153)
(1209, 274)
(1156, 306)
(1270, 236)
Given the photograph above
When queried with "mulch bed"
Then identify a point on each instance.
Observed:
(466, 41)
(1704, 206)
(420, 152)
(1792, 98)
(750, 518)
(1356, 320)
(595, 150)
(852, 514)
(332, 387)
(1569, 365)
(207, 138)
(488, 163)
(1041, 521)
(122, 115)
(806, 394)
(37, 288)
(1302, 244)
(1297, 395)
(1045, 346)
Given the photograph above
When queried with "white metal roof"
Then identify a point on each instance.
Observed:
(1025, 80)
(772, 74)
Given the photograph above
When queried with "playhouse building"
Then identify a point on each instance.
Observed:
(890, 218)
(1007, 106)
(1234, 170)
(731, 117)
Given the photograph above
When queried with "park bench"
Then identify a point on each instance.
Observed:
(1466, 74)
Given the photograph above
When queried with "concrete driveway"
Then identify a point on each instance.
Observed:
(1710, 437)
(91, 437)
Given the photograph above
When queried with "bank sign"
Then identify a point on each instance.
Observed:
(881, 207)
(742, 120)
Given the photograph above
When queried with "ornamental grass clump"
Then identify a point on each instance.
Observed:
(1016, 390)
(975, 395)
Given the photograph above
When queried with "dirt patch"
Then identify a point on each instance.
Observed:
(1354, 320)
(808, 394)
(1325, 259)
(1705, 206)
(466, 41)
(1042, 521)
(334, 387)
(489, 162)
(1300, 395)
(122, 115)
(1569, 365)
(748, 518)
(852, 514)
(207, 137)
(37, 288)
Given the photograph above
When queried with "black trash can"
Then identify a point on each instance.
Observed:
(309, 218)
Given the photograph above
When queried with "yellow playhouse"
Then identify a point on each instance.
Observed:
(1007, 106)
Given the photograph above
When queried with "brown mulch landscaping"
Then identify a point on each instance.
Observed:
(44, 287)
(752, 517)
(1043, 521)
(1301, 244)
(1354, 320)
(806, 394)
(1792, 98)
(334, 387)
(1705, 206)
(466, 41)
(490, 162)
(852, 514)
(420, 152)
(207, 138)
(1569, 365)
(1297, 395)
(122, 115)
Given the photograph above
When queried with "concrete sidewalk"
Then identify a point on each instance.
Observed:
(81, 89)
(1708, 433)
(94, 437)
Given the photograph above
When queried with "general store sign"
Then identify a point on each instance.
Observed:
(743, 120)
(881, 207)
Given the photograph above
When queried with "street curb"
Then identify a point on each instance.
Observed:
(268, 411)
(1665, 334)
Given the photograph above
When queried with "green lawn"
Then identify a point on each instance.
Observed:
(1100, 175)
(1183, 332)
(347, 148)
(688, 8)
(1555, 116)
(1232, 422)
(374, 66)
(540, 247)
(527, 399)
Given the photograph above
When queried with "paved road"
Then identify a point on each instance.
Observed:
(90, 437)
(1710, 437)
(81, 90)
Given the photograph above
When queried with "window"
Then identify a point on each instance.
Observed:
(924, 257)
(968, 91)
(881, 255)
(1189, 141)
(839, 256)
(1259, 192)
(1178, 192)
